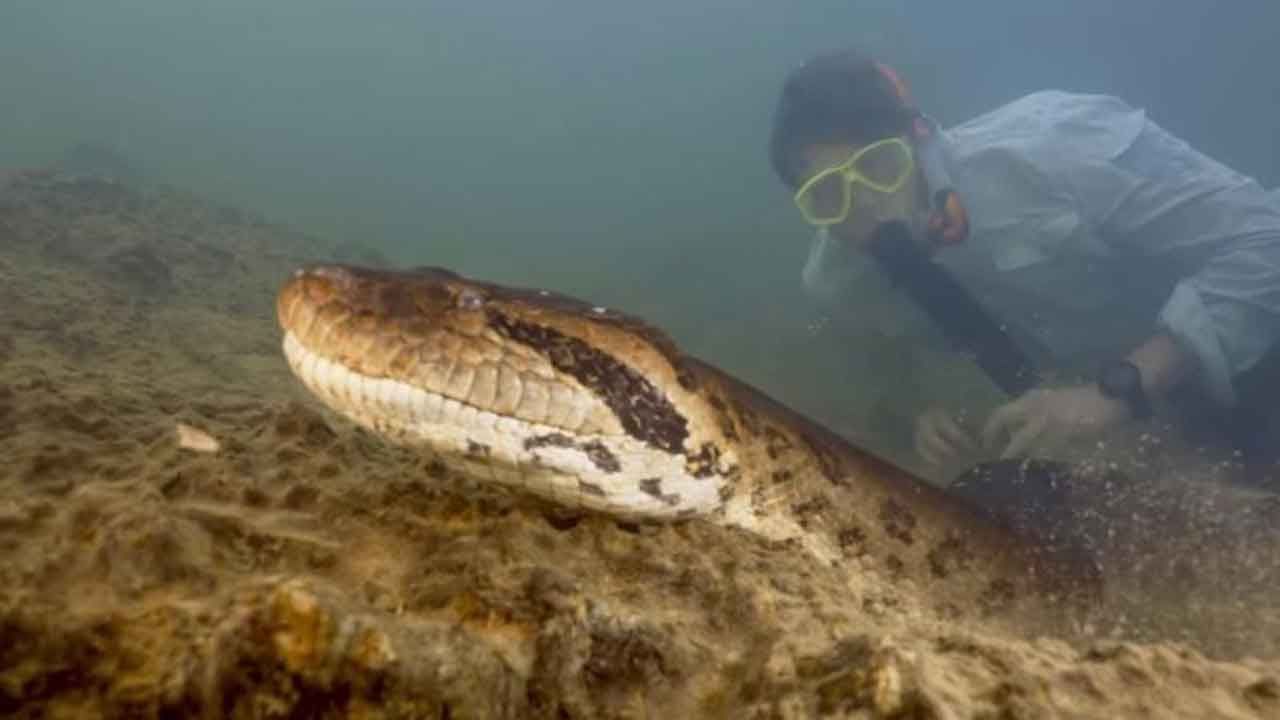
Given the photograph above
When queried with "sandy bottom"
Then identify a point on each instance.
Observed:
(303, 569)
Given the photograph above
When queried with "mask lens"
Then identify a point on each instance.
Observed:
(825, 198)
(884, 165)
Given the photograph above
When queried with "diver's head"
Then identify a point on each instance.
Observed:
(843, 141)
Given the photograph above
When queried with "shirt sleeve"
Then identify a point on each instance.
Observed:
(1215, 229)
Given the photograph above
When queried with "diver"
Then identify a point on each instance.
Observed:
(1136, 277)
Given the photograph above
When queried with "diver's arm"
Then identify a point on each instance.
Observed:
(1220, 229)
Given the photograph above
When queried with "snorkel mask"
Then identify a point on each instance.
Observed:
(882, 167)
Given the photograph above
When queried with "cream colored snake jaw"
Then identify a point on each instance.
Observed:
(595, 409)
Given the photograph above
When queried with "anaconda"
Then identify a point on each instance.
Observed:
(598, 410)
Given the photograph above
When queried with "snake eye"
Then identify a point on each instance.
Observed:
(469, 299)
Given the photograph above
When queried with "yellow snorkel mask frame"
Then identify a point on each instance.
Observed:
(883, 166)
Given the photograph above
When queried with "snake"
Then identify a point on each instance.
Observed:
(594, 409)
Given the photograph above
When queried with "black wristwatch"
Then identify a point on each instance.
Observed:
(1123, 381)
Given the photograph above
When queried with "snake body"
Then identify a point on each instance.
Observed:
(598, 410)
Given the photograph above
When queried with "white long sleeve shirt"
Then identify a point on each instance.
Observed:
(1091, 228)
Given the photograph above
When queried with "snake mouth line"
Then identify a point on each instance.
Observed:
(614, 474)
(390, 404)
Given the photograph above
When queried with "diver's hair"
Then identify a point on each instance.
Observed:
(836, 97)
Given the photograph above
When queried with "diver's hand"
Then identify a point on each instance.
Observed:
(1046, 419)
(940, 440)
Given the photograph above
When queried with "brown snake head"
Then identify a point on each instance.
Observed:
(526, 387)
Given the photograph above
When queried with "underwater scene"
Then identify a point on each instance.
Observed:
(603, 360)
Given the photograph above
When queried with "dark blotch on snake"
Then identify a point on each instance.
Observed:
(548, 440)
(705, 462)
(807, 510)
(653, 487)
(898, 521)
(948, 556)
(589, 488)
(601, 457)
(641, 408)
(999, 596)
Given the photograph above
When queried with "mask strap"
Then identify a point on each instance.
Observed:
(948, 220)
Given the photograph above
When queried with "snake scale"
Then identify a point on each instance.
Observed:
(597, 410)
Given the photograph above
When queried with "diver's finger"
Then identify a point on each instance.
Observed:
(1024, 438)
(930, 443)
(955, 435)
(1001, 422)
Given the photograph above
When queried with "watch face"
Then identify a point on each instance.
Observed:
(1120, 380)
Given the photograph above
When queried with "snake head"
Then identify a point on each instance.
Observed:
(525, 387)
